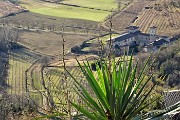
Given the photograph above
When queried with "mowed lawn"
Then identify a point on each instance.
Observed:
(101, 4)
(52, 9)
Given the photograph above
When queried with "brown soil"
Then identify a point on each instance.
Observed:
(42, 21)
(50, 43)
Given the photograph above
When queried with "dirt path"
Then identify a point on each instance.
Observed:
(73, 61)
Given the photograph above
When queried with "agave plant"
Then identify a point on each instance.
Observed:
(119, 93)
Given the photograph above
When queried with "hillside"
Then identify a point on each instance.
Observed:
(165, 16)
(41, 43)
(144, 13)
(127, 16)
(7, 8)
(167, 63)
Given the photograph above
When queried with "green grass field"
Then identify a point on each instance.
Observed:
(58, 10)
(52, 9)
(97, 41)
(71, 12)
(16, 75)
(101, 4)
(103, 39)
(19, 62)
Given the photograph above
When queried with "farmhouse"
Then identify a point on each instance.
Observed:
(133, 37)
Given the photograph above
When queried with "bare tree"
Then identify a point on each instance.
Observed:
(67, 92)
(8, 36)
(49, 99)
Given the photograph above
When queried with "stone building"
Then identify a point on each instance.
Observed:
(134, 37)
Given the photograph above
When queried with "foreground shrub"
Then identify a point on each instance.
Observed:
(116, 92)
(120, 94)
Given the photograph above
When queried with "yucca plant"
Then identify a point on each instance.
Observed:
(120, 94)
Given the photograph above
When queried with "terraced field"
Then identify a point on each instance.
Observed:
(25, 72)
(128, 15)
(19, 63)
(166, 21)
(145, 13)
(24, 76)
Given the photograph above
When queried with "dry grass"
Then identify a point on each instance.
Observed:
(7, 8)
(50, 43)
(37, 20)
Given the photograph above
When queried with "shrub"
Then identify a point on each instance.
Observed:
(120, 94)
